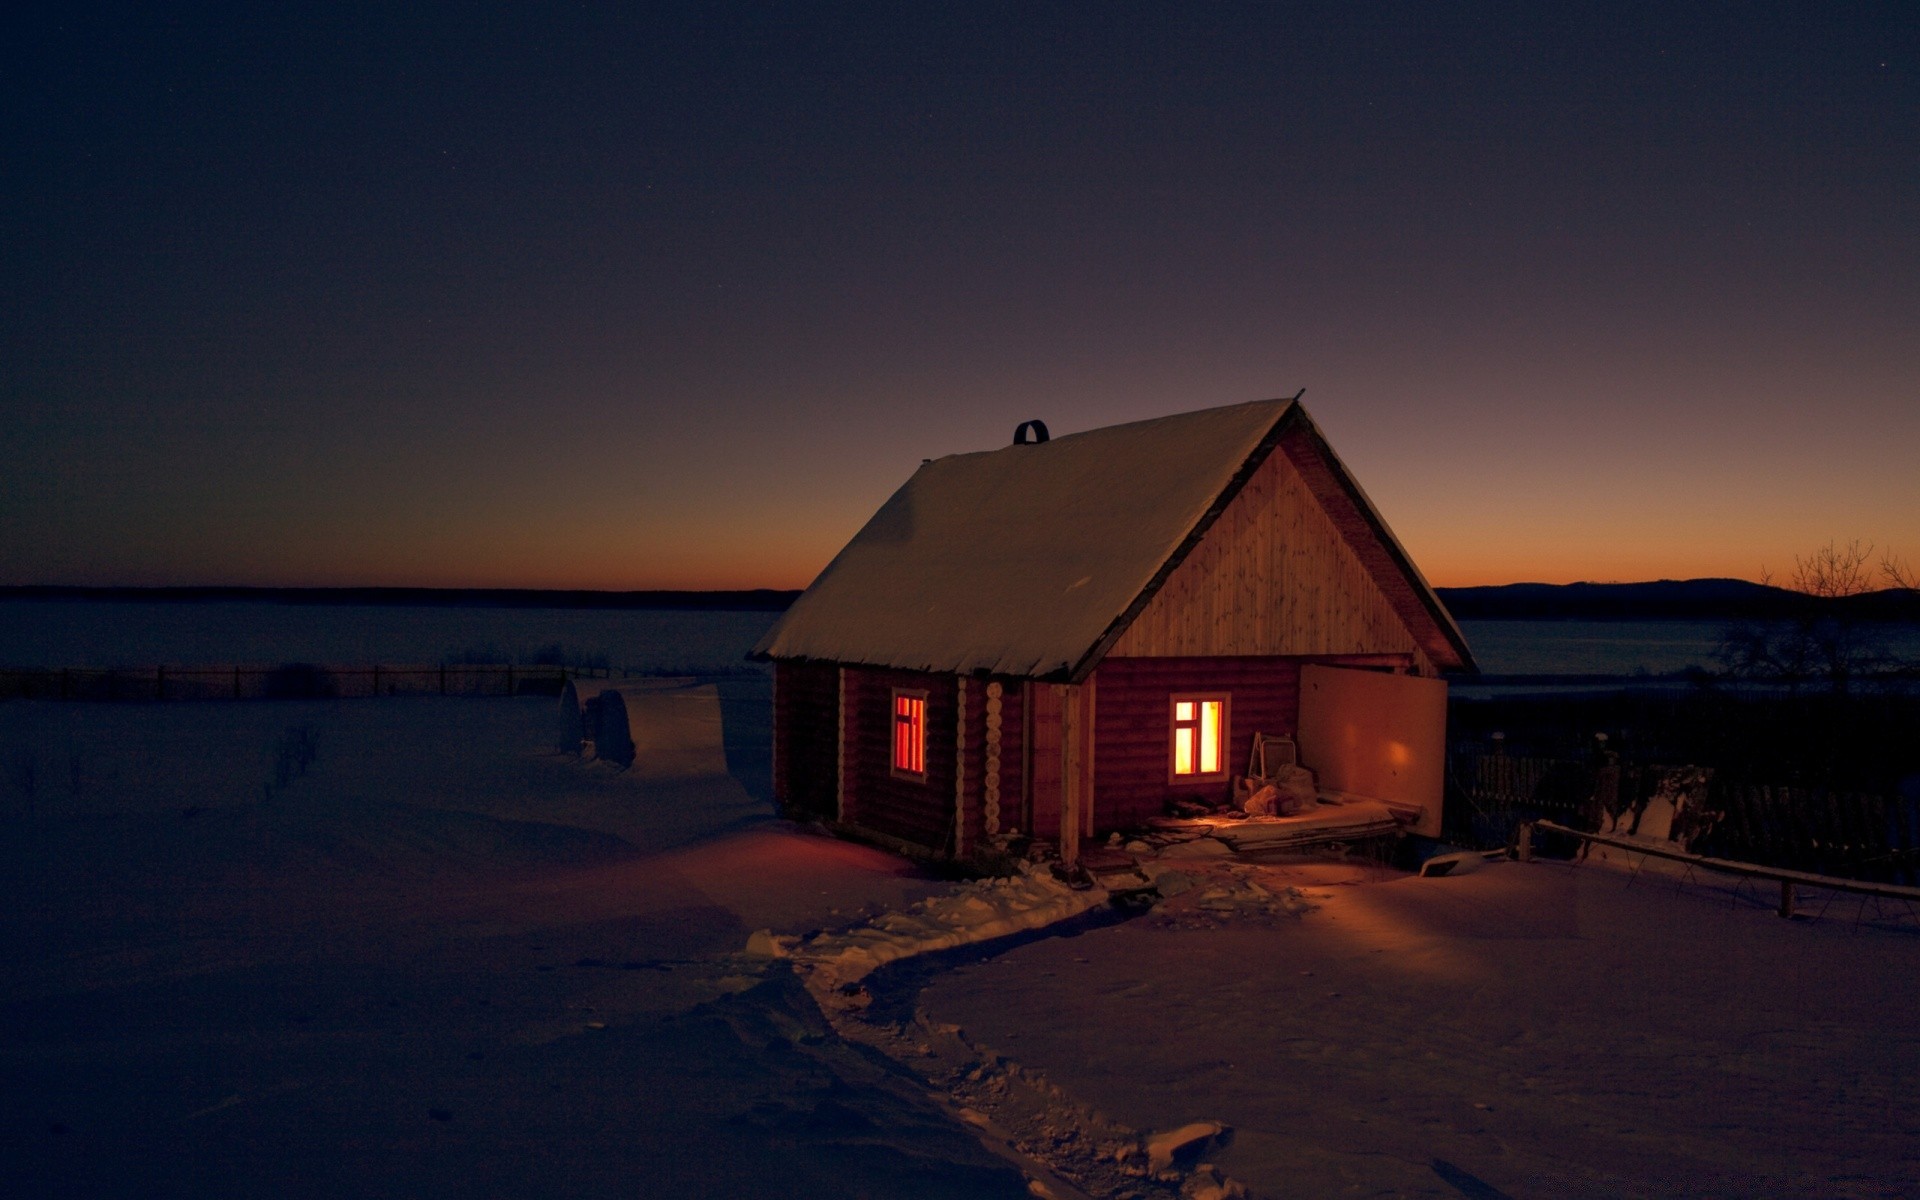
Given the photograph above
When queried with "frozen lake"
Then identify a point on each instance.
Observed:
(101, 633)
(1592, 647)
(133, 634)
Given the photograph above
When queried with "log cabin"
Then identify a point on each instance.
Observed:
(1056, 638)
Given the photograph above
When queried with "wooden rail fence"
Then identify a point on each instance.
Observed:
(1853, 834)
(1788, 880)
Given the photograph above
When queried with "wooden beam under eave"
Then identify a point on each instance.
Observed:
(1072, 753)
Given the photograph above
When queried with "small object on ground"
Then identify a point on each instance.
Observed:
(1163, 1148)
(1173, 883)
(1208, 1182)
(763, 944)
(1461, 862)
(1297, 793)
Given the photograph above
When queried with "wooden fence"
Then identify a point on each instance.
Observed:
(1854, 835)
(289, 681)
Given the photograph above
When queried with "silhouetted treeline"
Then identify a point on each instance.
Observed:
(1858, 742)
(1691, 599)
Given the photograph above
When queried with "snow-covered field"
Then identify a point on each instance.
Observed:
(1531, 1029)
(399, 947)
(145, 634)
(440, 962)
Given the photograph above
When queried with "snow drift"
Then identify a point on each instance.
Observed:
(661, 729)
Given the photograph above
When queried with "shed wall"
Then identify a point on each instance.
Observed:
(806, 719)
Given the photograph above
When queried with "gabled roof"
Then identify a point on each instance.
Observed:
(1030, 560)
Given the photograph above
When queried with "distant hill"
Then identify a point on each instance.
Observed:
(1699, 599)
(754, 600)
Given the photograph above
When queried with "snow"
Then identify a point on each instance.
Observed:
(975, 912)
(442, 961)
(660, 729)
(1017, 560)
(1529, 1029)
(436, 958)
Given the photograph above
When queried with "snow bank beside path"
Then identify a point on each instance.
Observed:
(973, 912)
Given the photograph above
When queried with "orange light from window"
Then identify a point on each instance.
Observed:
(1196, 736)
(910, 733)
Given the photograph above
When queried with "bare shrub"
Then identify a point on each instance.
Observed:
(293, 755)
(1826, 638)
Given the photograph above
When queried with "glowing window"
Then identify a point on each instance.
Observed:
(1199, 737)
(910, 732)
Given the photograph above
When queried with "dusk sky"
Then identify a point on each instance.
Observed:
(640, 296)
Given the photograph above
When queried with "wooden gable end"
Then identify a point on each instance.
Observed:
(1273, 575)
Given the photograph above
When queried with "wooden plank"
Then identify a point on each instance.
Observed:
(1072, 741)
(1745, 870)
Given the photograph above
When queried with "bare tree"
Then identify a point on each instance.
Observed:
(1899, 575)
(1825, 637)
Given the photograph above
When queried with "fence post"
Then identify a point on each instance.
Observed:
(160, 683)
(443, 679)
(1786, 899)
(1523, 848)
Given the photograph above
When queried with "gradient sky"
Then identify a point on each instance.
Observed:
(629, 296)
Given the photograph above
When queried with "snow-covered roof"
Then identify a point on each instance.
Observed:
(1024, 560)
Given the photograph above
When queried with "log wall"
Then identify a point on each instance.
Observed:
(1273, 575)
(916, 811)
(806, 719)
(1133, 731)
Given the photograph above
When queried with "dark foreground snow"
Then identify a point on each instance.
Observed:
(1528, 1030)
(440, 963)
(437, 960)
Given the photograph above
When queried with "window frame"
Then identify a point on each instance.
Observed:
(918, 697)
(1175, 726)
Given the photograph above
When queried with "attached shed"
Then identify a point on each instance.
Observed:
(1057, 637)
